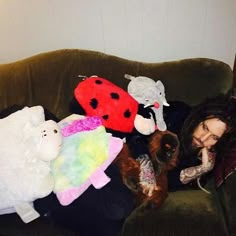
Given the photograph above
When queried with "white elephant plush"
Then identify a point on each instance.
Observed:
(150, 93)
(28, 145)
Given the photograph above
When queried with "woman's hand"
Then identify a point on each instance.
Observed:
(208, 159)
(191, 173)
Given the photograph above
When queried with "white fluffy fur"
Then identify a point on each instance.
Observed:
(25, 154)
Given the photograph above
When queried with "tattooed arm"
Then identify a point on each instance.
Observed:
(191, 173)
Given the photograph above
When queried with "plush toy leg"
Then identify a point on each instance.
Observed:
(99, 178)
(26, 212)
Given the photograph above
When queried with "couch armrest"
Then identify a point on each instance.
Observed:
(227, 196)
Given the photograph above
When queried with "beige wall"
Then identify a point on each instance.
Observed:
(146, 30)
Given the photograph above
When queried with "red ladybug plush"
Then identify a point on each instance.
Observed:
(96, 96)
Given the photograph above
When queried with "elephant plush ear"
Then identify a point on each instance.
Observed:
(161, 93)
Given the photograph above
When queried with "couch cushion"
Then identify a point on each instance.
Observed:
(49, 78)
(189, 212)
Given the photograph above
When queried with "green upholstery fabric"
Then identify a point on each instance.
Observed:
(48, 79)
(189, 212)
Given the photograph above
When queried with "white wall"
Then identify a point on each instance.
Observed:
(145, 30)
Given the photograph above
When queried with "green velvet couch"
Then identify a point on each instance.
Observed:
(49, 79)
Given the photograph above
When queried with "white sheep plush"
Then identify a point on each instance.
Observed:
(150, 93)
(28, 144)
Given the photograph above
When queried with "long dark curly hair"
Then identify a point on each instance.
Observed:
(222, 107)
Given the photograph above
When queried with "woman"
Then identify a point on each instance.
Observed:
(203, 132)
(203, 139)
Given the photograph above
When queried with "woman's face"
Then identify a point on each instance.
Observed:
(208, 132)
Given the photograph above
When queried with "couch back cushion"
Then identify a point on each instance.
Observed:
(49, 78)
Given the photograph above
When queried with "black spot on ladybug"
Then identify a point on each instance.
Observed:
(94, 103)
(115, 96)
(105, 117)
(127, 113)
(98, 81)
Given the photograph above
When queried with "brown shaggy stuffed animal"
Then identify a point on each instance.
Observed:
(164, 149)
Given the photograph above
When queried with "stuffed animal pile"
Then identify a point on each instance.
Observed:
(120, 113)
(28, 145)
(38, 156)
(126, 113)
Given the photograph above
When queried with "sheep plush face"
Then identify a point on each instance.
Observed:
(48, 140)
(26, 153)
